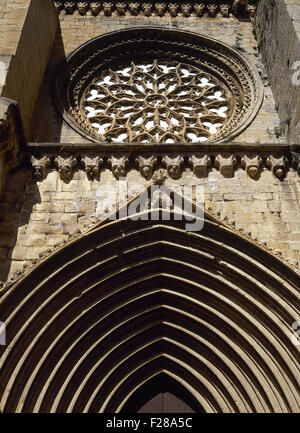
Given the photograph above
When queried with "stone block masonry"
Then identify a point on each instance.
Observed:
(36, 217)
(278, 32)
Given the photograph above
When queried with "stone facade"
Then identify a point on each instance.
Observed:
(48, 127)
(55, 183)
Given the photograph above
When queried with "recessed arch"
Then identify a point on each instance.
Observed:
(150, 397)
(139, 298)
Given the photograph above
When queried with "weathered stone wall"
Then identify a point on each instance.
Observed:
(76, 29)
(278, 34)
(37, 216)
(29, 29)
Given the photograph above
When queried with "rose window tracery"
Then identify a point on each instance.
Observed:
(157, 102)
(159, 86)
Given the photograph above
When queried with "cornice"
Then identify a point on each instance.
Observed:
(174, 8)
(173, 159)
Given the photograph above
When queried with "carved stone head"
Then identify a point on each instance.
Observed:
(160, 9)
(92, 164)
(146, 165)
(82, 7)
(107, 8)
(69, 7)
(134, 7)
(186, 9)
(118, 165)
(173, 165)
(199, 9)
(121, 8)
(95, 8)
(147, 9)
(173, 9)
(212, 9)
(224, 9)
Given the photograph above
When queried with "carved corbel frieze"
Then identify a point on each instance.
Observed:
(173, 164)
(146, 165)
(278, 165)
(92, 164)
(226, 164)
(145, 8)
(118, 165)
(252, 165)
(200, 164)
(40, 165)
(65, 165)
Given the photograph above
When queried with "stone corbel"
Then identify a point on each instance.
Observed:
(95, 8)
(92, 165)
(107, 8)
(173, 9)
(160, 9)
(40, 165)
(252, 165)
(212, 9)
(121, 8)
(277, 165)
(173, 165)
(186, 9)
(65, 165)
(134, 7)
(199, 9)
(69, 7)
(147, 9)
(118, 165)
(224, 9)
(200, 164)
(82, 7)
(251, 9)
(146, 165)
(226, 164)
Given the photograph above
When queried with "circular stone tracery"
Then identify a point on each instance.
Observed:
(153, 85)
(156, 102)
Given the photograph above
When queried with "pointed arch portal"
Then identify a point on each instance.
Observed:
(207, 313)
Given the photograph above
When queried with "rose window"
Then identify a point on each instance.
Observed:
(157, 86)
(156, 102)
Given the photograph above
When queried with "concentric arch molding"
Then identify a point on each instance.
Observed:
(155, 85)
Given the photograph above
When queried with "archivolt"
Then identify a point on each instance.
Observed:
(130, 300)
